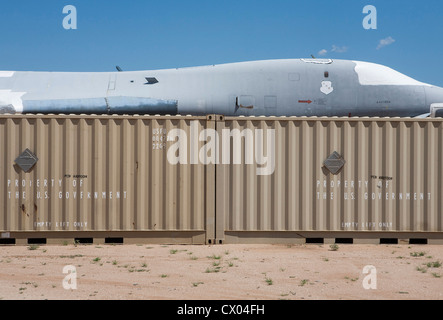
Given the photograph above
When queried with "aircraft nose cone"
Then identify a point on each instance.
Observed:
(434, 95)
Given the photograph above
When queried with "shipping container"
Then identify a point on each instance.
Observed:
(99, 177)
(215, 179)
(335, 179)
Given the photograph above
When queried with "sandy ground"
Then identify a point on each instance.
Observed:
(221, 272)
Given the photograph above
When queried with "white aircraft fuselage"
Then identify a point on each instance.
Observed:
(293, 87)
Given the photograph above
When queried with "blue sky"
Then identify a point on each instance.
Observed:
(147, 34)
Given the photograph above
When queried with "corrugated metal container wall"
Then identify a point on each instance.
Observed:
(98, 174)
(221, 179)
(391, 181)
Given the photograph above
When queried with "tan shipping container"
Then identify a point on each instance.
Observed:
(181, 179)
(390, 185)
(99, 177)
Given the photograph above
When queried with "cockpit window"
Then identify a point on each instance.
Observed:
(375, 74)
(317, 61)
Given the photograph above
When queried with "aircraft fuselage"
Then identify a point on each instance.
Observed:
(296, 87)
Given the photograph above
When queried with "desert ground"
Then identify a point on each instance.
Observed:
(221, 272)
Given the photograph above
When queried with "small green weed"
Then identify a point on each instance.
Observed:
(417, 254)
(303, 282)
(422, 269)
(434, 264)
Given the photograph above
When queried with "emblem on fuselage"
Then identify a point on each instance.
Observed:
(326, 87)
